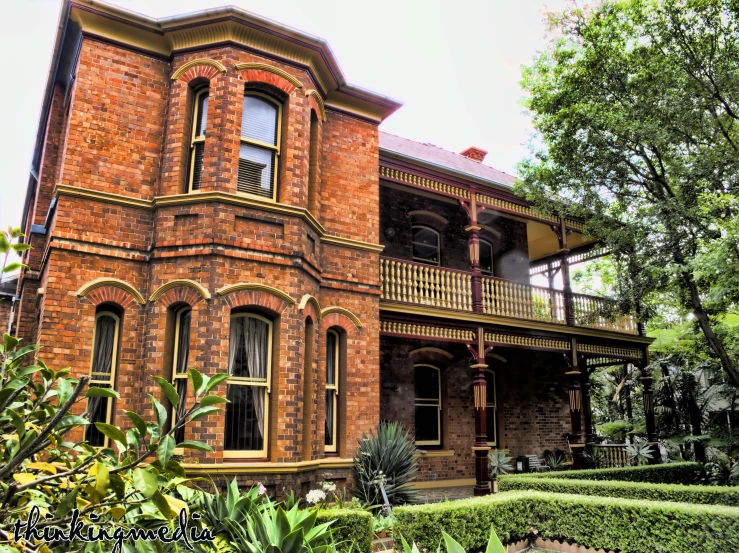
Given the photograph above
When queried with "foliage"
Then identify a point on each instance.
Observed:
(722, 471)
(598, 522)
(616, 430)
(640, 452)
(669, 473)
(635, 104)
(351, 531)
(131, 482)
(387, 456)
(453, 546)
(499, 463)
(593, 457)
(10, 243)
(383, 523)
(702, 495)
(556, 461)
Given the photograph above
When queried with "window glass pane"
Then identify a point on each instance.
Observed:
(486, 257)
(331, 358)
(181, 387)
(183, 342)
(256, 170)
(202, 121)
(259, 120)
(490, 389)
(97, 408)
(245, 418)
(427, 383)
(330, 414)
(425, 245)
(248, 347)
(102, 358)
(197, 166)
(427, 423)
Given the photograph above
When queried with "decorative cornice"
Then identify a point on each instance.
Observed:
(270, 69)
(424, 331)
(115, 283)
(436, 186)
(194, 63)
(177, 283)
(512, 207)
(230, 288)
(317, 97)
(342, 311)
(305, 300)
(349, 243)
(527, 341)
(610, 351)
(266, 468)
(451, 315)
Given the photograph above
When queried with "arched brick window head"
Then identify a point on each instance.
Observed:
(197, 144)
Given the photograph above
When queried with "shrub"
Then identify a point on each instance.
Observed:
(387, 457)
(669, 473)
(703, 495)
(353, 530)
(598, 522)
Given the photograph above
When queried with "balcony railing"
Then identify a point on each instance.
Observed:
(419, 284)
(612, 455)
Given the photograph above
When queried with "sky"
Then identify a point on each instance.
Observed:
(456, 66)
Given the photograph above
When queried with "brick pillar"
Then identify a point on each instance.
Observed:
(474, 246)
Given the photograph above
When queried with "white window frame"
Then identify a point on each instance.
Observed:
(196, 139)
(274, 147)
(438, 245)
(332, 448)
(255, 382)
(429, 402)
(109, 381)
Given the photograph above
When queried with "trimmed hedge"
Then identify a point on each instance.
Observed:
(701, 495)
(597, 522)
(352, 531)
(669, 473)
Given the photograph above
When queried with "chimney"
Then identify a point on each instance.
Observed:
(473, 153)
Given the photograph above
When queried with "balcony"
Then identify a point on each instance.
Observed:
(419, 284)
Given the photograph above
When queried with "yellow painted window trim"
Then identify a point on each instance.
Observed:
(175, 375)
(331, 448)
(274, 147)
(262, 383)
(430, 402)
(195, 139)
(110, 380)
(438, 246)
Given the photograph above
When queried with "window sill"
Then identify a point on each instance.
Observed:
(435, 453)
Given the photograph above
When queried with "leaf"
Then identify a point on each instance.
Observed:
(117, 512)
(112, 432)
(197, 379)
(215, 381)
(45, 467)
(494, 544)
(452, 546)
(4, 243)
(10, 342)
(207, 401)
(20, 247)
(23, 477)
(138, 422)
(160, 411)
(203, 412)
(94, 391)
(172, 396)
(176, 505)
(118, 486)
(165, 449)
(20, 426)
(68, 503)
(12, 266)
(200, 446)
(162, 504)
(145, 482)
(102, 479)
(63, 391)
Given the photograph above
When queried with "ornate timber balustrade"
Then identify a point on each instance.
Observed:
(612, 455)
(425, 285)
(420, 284)
(595, 312)
(522, 301)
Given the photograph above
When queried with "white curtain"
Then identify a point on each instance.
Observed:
(255, 344)
(237, 326)
(102, 364)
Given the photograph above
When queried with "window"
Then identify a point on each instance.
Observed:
(426, 245)
(249, 359)
(428, 404)
(332, 390)
(313, 163)
(486, 257)
(102, 374)
(491, 409)
(260, 139)
(197, 145)
(179, 366)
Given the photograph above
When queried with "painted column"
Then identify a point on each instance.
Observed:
(587, 414)
(474, 246)
(574, 393)
(561, 231)
(481, 447)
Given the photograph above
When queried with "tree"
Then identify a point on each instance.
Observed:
(636, 106)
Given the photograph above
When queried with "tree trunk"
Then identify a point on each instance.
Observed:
(713, 341)
(696, 422)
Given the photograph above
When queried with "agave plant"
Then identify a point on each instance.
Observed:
(640, 452)
(386, 458)
(593, 457)
(555, 461)
(499, 463)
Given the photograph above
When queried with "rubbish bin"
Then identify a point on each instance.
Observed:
(522, 464)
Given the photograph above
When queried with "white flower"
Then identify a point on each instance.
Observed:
(262, 489)
(315, 496)
(329, 487)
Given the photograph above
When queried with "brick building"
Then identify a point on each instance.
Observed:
(207, 190)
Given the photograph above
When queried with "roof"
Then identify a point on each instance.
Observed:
(429, 154)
